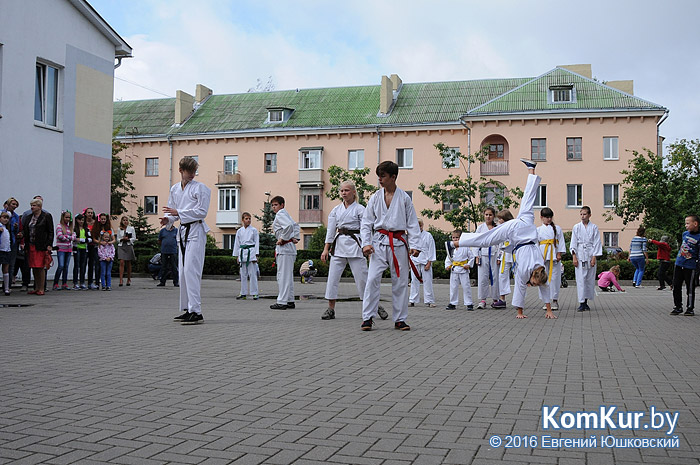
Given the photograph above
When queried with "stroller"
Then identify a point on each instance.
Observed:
(564, 282)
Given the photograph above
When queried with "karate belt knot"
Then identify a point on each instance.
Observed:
(462, 263)
(399, 235)
(515, 263)
(345, 232)
(549, 247)
(183, 242)
(246, 248)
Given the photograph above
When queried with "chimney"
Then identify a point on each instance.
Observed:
(583, 70)
(183, 106)
(625, 86)
(395, 82)
(202, 93)
(386, 96)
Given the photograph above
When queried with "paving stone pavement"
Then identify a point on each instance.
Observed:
(95, 377)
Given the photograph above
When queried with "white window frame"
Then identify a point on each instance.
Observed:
(154, 203)
(611, 239)
(611, 195)
(578, 191)
(273, 162)
(573, 156)
(490, 196)
(228, 199)
(231, 160)
(453, 159)
(227, 241)
(275, 116)
(356, 159)
(48, 99)
(310, 159)
(542, 149)
(611, 148)
(541, 194)
(153, 171)
(403, 156)
(315, 195)
(561, 94)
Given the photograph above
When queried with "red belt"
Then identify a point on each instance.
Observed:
(399, 235)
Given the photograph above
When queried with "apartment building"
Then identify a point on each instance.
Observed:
(582, 132)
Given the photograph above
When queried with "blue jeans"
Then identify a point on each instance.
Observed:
(639, 266)
(62, 270)
(106, 272)
(79, 265)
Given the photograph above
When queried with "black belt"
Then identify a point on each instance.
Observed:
(346, 232)
(522, 245)
(183, 243)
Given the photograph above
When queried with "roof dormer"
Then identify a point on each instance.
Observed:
(561, 94)
(278, 115)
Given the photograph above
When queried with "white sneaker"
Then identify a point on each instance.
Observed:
(555, 306)
(482, 304)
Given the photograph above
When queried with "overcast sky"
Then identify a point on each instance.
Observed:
(228, 44)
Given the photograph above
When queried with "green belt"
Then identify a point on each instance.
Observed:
(245, 247)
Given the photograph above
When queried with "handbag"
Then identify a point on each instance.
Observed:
(48, 260)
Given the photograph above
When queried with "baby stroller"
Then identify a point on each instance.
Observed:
(564, 282)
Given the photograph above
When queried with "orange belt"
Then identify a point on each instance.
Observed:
(399, 235)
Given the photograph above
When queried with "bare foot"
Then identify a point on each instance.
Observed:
(520, 316)
(551, 316)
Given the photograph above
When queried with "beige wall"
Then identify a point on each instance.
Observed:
(633, 133)
(93, 93)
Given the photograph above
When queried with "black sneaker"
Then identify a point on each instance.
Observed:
(291, 305)
(451, 307)
(382, 313)
(367, 325)
(586, 307)
(240, 297)
(279, 307)
(581, 308)
(329, 314)
(411, 304)
(160, 285)
(182, 316)
(689, 312)
(676, 311)
(529, 163)
(402, 326)
(193, 319)
(470, 308)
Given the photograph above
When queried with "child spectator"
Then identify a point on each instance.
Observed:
(504, 263)
(307, 272)
(608, 279)
(126, 236)
(64, 243)
(5, 248)
(287, 233)
(105, 250)
(458, 261)
(686, 267)
(663, 255)
(155, 266)
(585, 247)
(80, 254)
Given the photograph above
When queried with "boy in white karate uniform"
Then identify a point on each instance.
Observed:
(504, 263)
(287, 233)
(246, 249)
(522, 235)
(585, 247)
(458, 261)
(424, 265)
(388, 216)
(553, 246)
(189, 203)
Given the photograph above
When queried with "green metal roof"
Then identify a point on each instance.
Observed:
(422, 103)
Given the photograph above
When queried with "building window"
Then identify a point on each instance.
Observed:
(228, 199)
(150, 205)
(270, 162)
(151, 167)
(231, 164)
(307, 241)
(276, 116)
(573, 148)
(495, 151)
(574, 195)
(228, 241)
(493, 195)
(610, 239)
(538, 149)
(404, 158)
(310, 199)
(451, 160)
(46, 95)
(356, 159)
(561, 94)
(541, 196)
(310, 159)
(610, 150)
(611, 194)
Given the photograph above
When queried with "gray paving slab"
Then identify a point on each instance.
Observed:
(108, 377)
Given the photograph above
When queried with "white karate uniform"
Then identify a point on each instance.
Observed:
(347, 251)
(247, 257)
(285, 228)
(585, 243)
(427, 254)
(506, 263)
(192, 205)
(549, 253)
(522, 234)
(459, 274)
(487, 284)
(399, 216)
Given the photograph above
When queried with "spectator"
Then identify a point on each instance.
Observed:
(80, 253)
(10, 206)
(126, 236)
(167, 238)
(5, 250)
(638, 256)
(37, 230)
(93, 261)
(105, 250)
(307, 272)
(154, 266)
(64, 243)
(608, 279)
(663, 255)
(26, 276)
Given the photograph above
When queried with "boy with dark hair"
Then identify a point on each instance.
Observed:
(388, 216)
(287, 233)
(686, 267)
(585, 246)
(246, 249)
(458, 261)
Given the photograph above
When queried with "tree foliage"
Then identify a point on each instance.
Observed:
(146, 235)
(661, 190)
(465, 193)
(318, 239)
(121, 187)
(358, 177)
(267, 239)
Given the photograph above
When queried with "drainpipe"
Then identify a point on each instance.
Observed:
(469, 151)
(119, 62)
(170, 144)
(378, 147)
(658, 147)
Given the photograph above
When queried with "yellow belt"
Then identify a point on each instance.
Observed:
(460, 263)
(547, 244)
(503, 258)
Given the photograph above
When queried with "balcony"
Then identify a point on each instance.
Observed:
(312, 177)
(494, 168)
(228, 219)
(310, 218)
(228, 179)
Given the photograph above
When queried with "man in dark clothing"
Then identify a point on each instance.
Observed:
(686, 267)
(167, 238)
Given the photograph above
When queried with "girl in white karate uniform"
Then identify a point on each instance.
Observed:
(504, 263)
(485, 261)
(553, 246)
(522, 235)
(585, 247)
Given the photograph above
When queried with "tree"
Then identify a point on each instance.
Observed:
(122, 187)
(263, 87)
(661, 190)
(267, 239)
(146, 235)
(318, 239)
(459, 192)
(338, 175)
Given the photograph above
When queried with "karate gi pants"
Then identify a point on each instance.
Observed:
(379, 261)
(585, 280)
(486, 289)
(285, 278)
(458, 280)
(427, 276)
(504, 279)
(335, 271)
(249, 270)
(190, 266)
(555, 283)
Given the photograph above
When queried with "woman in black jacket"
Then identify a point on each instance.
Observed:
(37, 235)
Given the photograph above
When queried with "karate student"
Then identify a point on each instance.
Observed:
(504, 263)
(287, 233)
(522, 235)
(486, 257)
(585, 247)
(553, 246)
(388, 218)
(189, 203)
(246, 249)
(458, 261)
(343, 248)
(424, 265)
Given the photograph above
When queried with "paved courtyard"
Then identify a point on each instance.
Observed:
(95, 377)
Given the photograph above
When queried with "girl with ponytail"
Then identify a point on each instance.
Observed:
(552, 246)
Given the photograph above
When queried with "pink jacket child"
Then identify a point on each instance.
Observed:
(608, 279)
